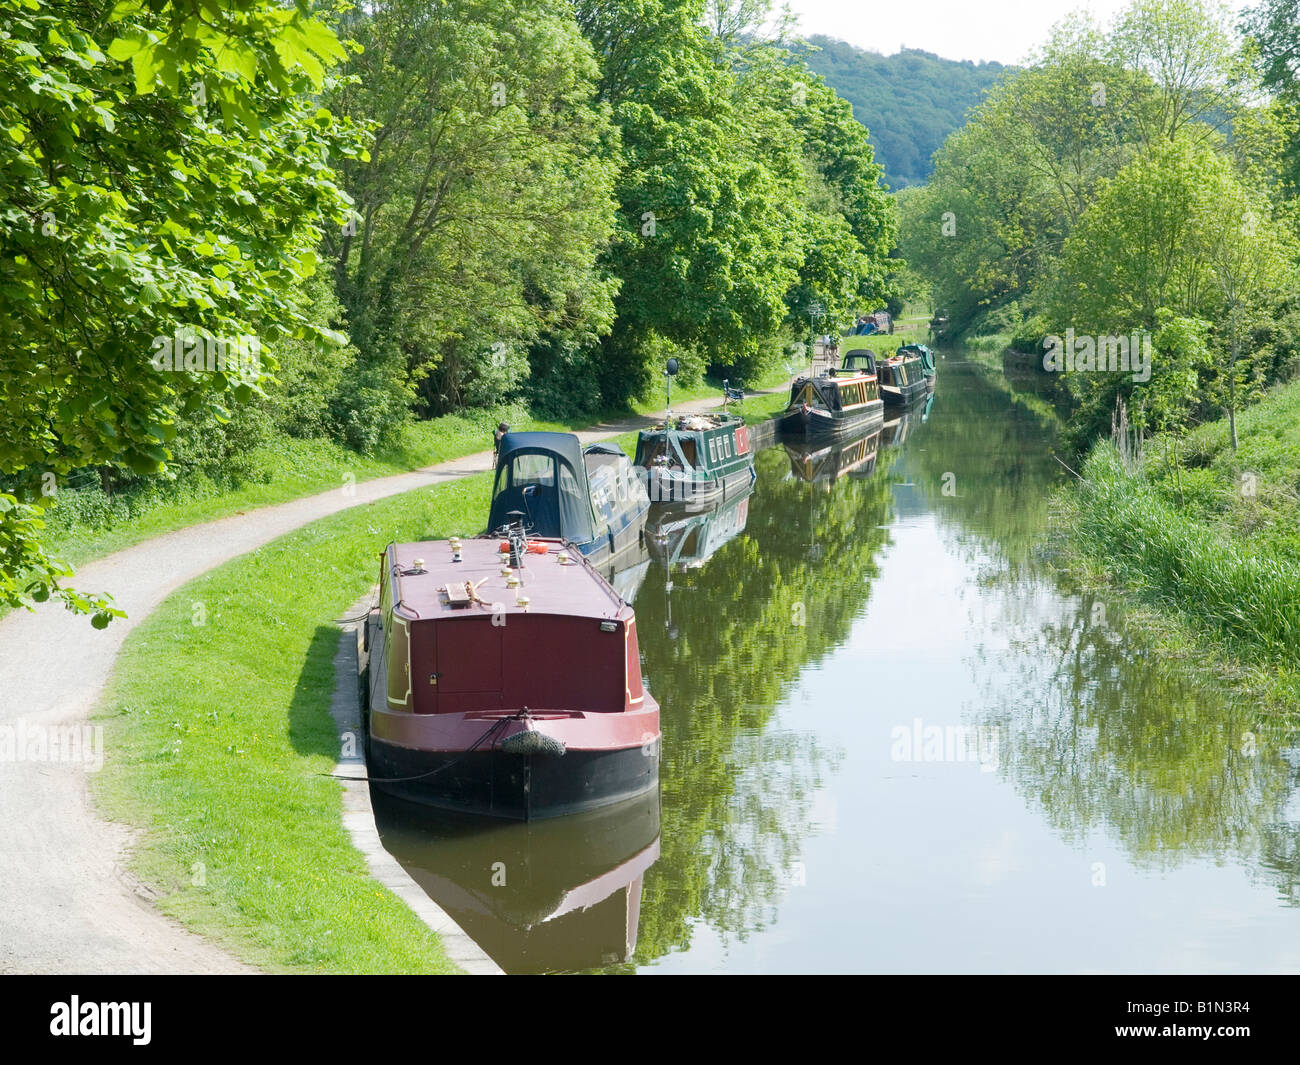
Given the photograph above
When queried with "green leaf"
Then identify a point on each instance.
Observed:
(125, 47)
(146, 66)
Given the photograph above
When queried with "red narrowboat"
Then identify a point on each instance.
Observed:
(504, 682)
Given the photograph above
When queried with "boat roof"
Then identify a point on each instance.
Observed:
(575, 590)
(565, 445)
(698, 422)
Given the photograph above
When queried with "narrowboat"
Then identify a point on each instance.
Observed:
(555, 488)
(698, 460)
(902, 379)
(927, 361)
(504, 682)
(842, 401)
(541, 897)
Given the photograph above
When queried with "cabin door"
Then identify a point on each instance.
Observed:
(468, 656)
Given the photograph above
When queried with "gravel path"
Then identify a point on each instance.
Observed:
(67, 903)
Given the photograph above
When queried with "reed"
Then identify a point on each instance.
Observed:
(1184, 563)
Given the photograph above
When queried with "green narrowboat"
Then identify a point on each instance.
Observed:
(927, 361)
(696, 460)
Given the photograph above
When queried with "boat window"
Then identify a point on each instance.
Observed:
(687, 445)
(575, 508)
(532, 469)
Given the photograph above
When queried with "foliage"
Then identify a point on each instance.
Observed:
(911, 101)
(484, 202)
(166, 167)
(1274, 29)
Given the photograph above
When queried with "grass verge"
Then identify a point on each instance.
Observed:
(222, 743)
(1206, 539)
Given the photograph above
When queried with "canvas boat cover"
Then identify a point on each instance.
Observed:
(543, 477)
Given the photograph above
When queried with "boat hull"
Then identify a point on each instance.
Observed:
(513, 786)
(813, 424)
(903, 395)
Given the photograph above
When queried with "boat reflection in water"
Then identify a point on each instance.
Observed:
(543, 896)
(678, 537)
(823, 464)
(905, 420)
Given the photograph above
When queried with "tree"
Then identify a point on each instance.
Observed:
(1175, 238)
(486, 198)
(705, 248)
(166, 168)
(1249, 256)
(1138, 248)
(1186, 49)
(1274, 27)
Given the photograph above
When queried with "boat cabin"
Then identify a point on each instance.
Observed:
(593, 498)
(504, 682)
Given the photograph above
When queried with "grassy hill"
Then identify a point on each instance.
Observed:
(909, 101)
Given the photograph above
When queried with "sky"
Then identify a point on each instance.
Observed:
(1001, 30)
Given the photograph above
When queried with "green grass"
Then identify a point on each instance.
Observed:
(222, 744)
(1208, 539)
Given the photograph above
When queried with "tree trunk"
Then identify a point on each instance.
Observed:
(1232, 385)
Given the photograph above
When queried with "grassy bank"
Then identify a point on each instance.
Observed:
(221, 745)
(1207, 539)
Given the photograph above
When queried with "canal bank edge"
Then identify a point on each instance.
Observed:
(359, 813)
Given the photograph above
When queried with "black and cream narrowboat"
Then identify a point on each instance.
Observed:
(839, 402)
(902, 378)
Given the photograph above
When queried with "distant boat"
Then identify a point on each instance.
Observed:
(902, 378)
(927, 361)
(590, 496)
(504, 683)
(698, 460)
(840, 401)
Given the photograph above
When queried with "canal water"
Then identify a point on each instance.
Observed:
(892, 742)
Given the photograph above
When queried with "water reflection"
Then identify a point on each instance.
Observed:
(539, 896)
(1102, 733)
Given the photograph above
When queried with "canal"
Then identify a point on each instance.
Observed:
(893, 742)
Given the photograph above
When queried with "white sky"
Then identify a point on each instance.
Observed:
(1001, 30)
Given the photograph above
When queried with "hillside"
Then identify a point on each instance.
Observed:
(909, 101)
